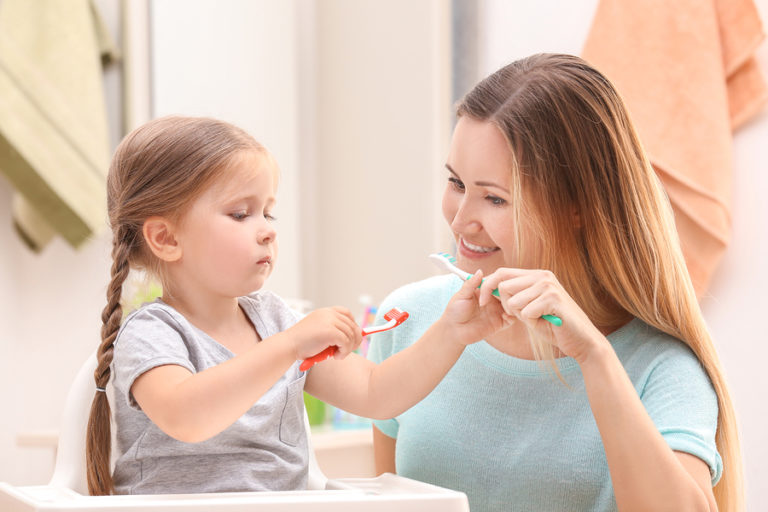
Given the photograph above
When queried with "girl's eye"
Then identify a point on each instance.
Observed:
(239, 215)
(270, 217)
(496, 201)
(456, 184)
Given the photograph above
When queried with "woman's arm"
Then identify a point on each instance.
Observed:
(646, 473)
(383, 452)
(385, 390)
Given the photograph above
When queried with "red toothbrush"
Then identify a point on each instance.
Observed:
(394, 316)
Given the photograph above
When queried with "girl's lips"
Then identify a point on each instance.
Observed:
(265, 261)
(467, 252)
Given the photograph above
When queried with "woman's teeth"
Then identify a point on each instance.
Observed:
(478, 248)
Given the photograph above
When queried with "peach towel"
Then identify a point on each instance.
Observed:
(687, 72)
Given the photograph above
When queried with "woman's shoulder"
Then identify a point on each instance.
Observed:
(639, 339)
(438, 289)
(646, 352)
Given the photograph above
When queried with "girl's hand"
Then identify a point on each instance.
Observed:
(526, 295)
(468, 321)
(323, 328)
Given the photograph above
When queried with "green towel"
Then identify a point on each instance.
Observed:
(54, 139)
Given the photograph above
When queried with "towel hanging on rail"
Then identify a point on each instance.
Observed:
(686, 70)
(54, 140)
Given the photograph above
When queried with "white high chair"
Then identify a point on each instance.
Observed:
(68, 490)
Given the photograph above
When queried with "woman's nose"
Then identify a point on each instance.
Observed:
(465, 219)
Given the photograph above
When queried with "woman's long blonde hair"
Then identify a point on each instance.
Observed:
(158, 169)
(577, 152)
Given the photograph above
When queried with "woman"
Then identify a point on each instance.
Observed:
(550, 195)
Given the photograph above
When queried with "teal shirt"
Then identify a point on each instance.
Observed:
(510, 435)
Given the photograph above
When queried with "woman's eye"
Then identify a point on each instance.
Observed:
(456, 184)
(239, 215)
(496, 201)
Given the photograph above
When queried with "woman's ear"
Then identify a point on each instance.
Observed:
(159, 235)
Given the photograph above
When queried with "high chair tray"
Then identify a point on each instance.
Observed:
(384, 493)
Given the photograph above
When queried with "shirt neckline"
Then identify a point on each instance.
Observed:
(494, 358)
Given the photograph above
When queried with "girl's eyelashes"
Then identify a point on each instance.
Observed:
(239, 215)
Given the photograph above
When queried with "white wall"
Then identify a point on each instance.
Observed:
(50, 305)
(735, 305)
(381, 127)
(237, 60)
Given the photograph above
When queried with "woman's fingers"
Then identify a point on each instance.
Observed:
(514, 303)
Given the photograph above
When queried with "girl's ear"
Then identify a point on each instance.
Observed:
(159, 234)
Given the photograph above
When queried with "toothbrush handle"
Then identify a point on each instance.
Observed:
(553, 319)
(322, 356)
(330, 351)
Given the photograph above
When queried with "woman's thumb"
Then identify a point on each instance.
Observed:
(470, 285)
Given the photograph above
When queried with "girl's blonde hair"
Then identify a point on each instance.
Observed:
(577, 156)
(159, 169)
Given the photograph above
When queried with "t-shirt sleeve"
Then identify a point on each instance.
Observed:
(682, 403)
(382, 346)
(148, 339)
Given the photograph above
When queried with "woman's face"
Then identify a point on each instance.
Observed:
(477, 199)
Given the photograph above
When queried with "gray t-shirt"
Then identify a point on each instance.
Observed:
(264, 450)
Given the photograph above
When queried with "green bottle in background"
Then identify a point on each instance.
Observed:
(315, 409)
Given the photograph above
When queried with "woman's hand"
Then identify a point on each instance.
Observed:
(526, 295)
(466, 320)
(323, 328)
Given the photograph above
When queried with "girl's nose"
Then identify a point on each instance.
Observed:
(267, 233)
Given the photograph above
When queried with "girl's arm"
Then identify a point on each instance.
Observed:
(385, 390)
(646, 473)
(193, 407)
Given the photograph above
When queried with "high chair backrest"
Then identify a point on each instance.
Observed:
(69, 471)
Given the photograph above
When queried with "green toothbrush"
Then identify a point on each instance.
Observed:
(447, 261)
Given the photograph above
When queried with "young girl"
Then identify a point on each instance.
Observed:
(550, 195)
(207, 384)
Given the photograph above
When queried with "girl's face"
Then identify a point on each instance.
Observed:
(477, 199)
(227, 237)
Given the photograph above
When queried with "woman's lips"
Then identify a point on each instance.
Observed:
(475, 251)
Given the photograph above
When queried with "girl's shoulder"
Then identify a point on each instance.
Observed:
(270, 309)
(152, 315)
